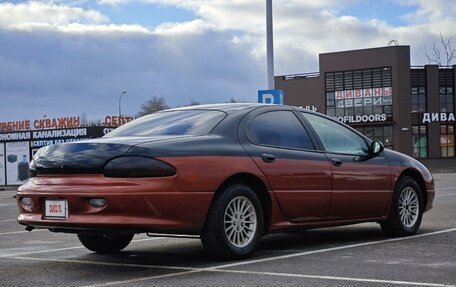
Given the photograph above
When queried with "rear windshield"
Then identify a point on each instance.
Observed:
(190, 122)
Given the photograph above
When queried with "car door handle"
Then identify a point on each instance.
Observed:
(336, 161)
(266, 157)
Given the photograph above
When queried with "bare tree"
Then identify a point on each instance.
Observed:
(96, 122)
(153, 105)
(194, 103)
(441, 49)
(84, 121)
(233, 100)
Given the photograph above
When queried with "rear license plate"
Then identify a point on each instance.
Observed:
(56, 208)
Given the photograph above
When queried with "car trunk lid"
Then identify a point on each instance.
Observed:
(86, 156)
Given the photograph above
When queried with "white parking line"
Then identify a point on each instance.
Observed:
(66, 248)
(41, 251)
(445, 194)
(18, 232)
(333, 249)
(189, 270)
(8, 220)
(217, 268)
(445, 188)
(336, 278)
(112, 264)
(143, 279)
(7, 204)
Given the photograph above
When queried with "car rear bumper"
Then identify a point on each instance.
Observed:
(140, 204)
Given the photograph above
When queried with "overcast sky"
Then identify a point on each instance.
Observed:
(64, 57)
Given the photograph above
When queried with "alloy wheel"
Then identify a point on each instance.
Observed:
(240, 220)
(408, 207)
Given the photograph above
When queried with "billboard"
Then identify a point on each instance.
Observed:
(364, 97)
(16, 147)
(17, 160)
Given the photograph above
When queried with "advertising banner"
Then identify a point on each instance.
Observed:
(2, 164)
(16, 147)
(17, 160)
(364, 97)
(15, 136)
(52, 137)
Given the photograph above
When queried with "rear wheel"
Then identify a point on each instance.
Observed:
(105, 243)
(234, 223)
(406, 209)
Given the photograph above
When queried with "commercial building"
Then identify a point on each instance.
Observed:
(20, 140)
(408, 108)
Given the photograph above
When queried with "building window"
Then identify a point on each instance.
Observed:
(420, 141)
(446, 89)
(419, 95)
(359, 92)
(447, 140)
(382, 134)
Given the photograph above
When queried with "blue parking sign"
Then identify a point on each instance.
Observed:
(270, 97)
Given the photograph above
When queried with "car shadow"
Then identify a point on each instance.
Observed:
(190, 252)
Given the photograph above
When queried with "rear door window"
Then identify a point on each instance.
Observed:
(279, 129)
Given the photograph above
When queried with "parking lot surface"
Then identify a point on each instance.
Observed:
(356, 255)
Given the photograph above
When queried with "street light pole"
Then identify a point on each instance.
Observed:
(120, 111)
(269, 45)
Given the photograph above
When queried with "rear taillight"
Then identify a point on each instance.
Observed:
(136, 166)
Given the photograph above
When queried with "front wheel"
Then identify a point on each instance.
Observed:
(234, 223)
(406, 209)
(105, 243)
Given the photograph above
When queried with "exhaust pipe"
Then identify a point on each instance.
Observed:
(29, 228)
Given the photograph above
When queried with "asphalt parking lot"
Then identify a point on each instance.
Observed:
(357, 255)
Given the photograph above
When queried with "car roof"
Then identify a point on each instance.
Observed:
(227, 107)
(231, 108)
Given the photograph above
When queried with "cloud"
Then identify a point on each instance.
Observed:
(32, 14)
(429, 11)
(303, 29)
(40, 16)
(197, 26)
(60, 58)
(60, 72)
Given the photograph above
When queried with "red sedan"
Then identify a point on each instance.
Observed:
(230, 173)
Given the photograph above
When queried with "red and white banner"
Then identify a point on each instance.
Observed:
(364, 93)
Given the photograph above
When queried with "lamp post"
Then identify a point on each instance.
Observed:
(120, 98)
(269, 45)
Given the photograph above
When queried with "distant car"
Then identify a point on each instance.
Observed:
(230, 173)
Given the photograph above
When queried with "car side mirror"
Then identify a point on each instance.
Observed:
(376, 147)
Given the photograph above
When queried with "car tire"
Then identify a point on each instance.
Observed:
(406, 210)
(105, 243)
(234, 224)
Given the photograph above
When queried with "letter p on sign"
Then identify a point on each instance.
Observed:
(270, 97)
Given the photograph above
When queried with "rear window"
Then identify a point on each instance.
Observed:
(190, 122)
